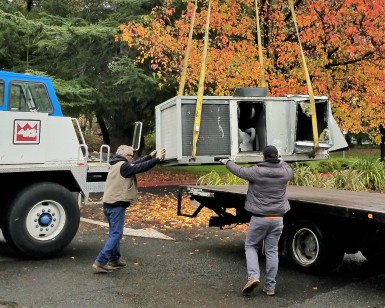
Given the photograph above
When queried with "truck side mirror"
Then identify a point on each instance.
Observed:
(137, 135)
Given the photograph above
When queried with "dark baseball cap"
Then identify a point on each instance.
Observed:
(270, 153)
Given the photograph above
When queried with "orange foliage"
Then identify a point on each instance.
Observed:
(343, 40)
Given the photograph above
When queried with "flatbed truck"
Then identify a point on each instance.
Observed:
(322, 225)
(46, 171)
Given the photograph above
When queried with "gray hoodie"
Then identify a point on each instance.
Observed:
(266, 194)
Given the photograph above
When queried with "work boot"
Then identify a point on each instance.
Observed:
(102, 268)
(268, 292)
(117, 264)
(250, 285)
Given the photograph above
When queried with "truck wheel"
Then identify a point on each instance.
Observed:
(311, 249)
(41, 220)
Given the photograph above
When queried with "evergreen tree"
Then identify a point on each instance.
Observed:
(75, 43)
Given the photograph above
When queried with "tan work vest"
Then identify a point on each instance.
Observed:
(119, 188)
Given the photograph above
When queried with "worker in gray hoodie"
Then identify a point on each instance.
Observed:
(267, 202)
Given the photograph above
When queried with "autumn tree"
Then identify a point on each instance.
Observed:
(343, 43)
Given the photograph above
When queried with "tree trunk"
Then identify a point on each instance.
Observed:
(103, 128)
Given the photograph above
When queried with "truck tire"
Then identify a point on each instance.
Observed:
(41, 220)
(311, 249)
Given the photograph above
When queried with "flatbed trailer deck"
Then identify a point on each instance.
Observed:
(322, 225)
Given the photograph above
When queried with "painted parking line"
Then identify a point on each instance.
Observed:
(132, 232)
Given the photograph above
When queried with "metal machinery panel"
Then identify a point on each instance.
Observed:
(280, 125)
(169, 116)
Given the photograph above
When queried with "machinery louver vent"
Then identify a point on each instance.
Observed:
(214, 136)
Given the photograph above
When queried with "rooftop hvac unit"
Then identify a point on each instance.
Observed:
(239, 127)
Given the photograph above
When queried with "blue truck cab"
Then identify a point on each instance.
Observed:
(28, 93)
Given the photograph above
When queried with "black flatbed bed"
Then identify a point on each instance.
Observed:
(345, 203)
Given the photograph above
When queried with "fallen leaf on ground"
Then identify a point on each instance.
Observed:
(157, 212)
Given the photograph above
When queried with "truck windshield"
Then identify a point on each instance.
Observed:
(29, 96)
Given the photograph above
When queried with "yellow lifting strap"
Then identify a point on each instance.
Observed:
(309, 86)
(260, 52)
(186, 57)
(198, 108)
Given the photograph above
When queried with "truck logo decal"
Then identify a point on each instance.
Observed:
(26, 131)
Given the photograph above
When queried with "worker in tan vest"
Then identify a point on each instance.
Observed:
(121, 191)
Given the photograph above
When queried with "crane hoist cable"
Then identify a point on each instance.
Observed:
(198, 108)
(186, 57)
(260, 52)
(309, 86)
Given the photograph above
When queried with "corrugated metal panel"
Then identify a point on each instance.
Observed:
(214, 136)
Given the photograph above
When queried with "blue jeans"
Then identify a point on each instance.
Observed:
(268, 230)
(111, 250)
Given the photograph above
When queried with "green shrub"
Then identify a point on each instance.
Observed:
(333, 164)
(343, 178)
(350, 174)
(328, 166)
(303, 175)
(94, 142)
(149, 142)
(348, 180)
(213, 178)
(372, 173)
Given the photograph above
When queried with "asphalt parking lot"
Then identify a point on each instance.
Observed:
(199, 267)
